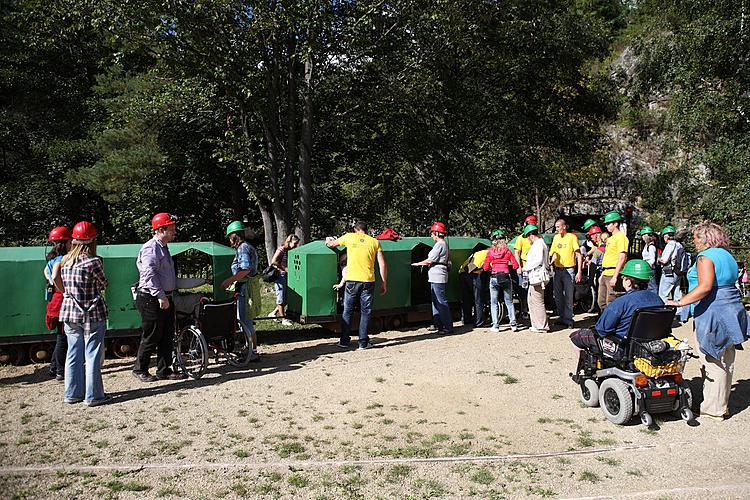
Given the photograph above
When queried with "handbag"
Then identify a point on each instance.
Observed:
(539, 275)
(270, 274)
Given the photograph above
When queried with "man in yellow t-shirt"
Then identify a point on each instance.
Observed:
(470, 274)
(521, 248)
(565, 256)
(361, 252)
(615, 255)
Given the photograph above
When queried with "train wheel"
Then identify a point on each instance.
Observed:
(375, 325)
(396, 322)
(41, 353)
(124, 347)
(10, 355)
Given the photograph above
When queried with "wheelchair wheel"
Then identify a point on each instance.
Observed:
(616, 401)
(192, 352)
(242, 349)
(680, 411)
(590, 393)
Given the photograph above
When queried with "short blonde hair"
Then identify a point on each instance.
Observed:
(710, 235)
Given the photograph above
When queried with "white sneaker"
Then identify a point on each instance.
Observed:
(286, 322)
(495, 329)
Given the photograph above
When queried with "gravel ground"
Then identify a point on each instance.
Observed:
(482, 414)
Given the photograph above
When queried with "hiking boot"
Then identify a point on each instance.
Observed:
(145, 377)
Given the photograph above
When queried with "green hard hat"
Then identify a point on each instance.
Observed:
(638, 269)
(497, 234)
(235, 226)
(646, 230)
(668, 230)
(613, 216)
(588, 224)
(529, 228)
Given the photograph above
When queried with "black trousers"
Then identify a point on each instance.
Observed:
(57, 364)
(158, 335)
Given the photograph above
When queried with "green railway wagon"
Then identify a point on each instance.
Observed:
(22, 312)
(314, 269)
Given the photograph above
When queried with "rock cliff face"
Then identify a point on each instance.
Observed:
(638, 151)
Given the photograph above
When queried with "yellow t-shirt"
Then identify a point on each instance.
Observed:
(361, 250)
(524, 245)
(565, 247)
(616, 244)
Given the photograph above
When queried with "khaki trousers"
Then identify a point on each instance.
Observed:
(606, 293)
(717, 382)
(537, 311)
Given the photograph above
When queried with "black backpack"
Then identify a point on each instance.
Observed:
(683, 260)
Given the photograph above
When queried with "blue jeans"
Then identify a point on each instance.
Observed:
(563, 288)
(478, 306)
(83, 364)
(280, 287)
(652, 287)
(670, 285)
(246, 324)
(441, 311)
(507, 289)
(354, 290)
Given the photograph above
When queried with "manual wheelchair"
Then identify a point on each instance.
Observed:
(213, 328)
(640, 374)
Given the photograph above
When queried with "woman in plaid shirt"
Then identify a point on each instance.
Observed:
(84, 314)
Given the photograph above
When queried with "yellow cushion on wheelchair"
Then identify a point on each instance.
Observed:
(649, 370)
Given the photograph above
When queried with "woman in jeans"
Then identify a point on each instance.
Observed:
(279, 261)
(720, 320)
(499, 259)
(83, 312)
(438, 262)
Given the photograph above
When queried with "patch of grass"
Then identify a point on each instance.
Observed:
(344, 402)
(430, 488)
(374, 406)
(239, 489)
(317, 418)
(482, 476)
(252, 420)
(614, 462)
(387, 421)
(241, 454)
(397, 473)
(563, 460)
(116, 486)
(544, 420)
(165, 409)
(557, 396)
(459, 448)
(379, 380)
(298, 480)
(540, 492)
(25, 418)
(634, 473)
(507, 379)
(59, 486)
(357, 425)
(242, 413)
(408, 384)
(589, 476)
(168, 492)
(466, 435)
(285, 450)
(101, 444)
(440, 437)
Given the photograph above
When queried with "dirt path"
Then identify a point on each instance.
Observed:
(419, 415)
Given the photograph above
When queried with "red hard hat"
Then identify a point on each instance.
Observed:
(594, 230)
(84, 231)
(437, 227)
(162, 219)
(531, 219)
(60, 233)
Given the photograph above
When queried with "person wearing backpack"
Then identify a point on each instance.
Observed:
(672, 258)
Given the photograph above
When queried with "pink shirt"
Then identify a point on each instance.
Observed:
(499, 260)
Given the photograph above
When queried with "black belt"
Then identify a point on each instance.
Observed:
(147, 294)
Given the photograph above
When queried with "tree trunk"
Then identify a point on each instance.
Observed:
(268, 236)
(291, 125)
(305, 167)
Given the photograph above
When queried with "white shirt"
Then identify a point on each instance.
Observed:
(538, 255)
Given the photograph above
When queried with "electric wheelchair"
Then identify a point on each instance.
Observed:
(213, 329)
(640, 374)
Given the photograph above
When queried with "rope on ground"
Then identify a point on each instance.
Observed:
(302, 464)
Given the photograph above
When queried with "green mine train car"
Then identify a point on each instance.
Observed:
(314, 269)
(23, 307)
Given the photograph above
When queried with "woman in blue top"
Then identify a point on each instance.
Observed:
(721, 323)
